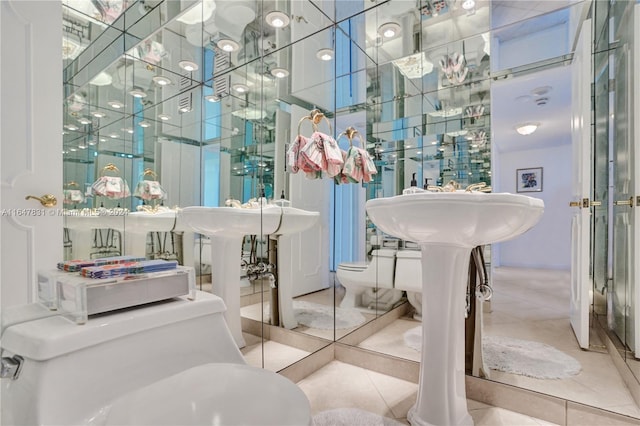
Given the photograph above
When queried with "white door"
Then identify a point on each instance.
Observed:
(626, 180)
(581, 188)
(30, 144)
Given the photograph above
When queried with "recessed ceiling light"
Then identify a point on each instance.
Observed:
(103, 140)
(144, 123)
(279, 72)
(128, 130)
(468, 4)
(161, 80)
(71, 127)
(138, 93)
(98, 114)
(240, 88)
(113, 135)
(212, 98)
(82, 146)
(84, 120)
(389, 29)
(115, 104)
(527, 128)
(228, 45)
(164, 117)
(184, 109)
(325, 54)
(72, 149)
(91, 142)
(277, 19)
(188, 65)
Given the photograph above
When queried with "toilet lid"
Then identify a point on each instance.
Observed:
(214, 394)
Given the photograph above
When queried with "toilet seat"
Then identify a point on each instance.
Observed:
(213, 394)
(353, 266)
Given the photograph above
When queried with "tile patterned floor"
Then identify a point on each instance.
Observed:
(340, 385)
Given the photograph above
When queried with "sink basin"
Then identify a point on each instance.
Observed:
(232, 222)
(467, 219)
(447, 225)
(226, 227)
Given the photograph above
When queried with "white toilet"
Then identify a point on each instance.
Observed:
(356, 278)
(408, 277)
(172, 362)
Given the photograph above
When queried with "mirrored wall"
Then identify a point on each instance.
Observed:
(171, 104)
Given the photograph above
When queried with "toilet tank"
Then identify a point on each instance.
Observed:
(408, 270)
(71, 371)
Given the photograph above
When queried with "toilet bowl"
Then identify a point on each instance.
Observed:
(133, 366)
(356, 278)
(408, 277)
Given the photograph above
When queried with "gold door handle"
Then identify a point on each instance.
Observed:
(575, 204)
(628, 202)
(47, 200)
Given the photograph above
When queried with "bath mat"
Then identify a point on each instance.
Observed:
(527, 358)
(523, 357)
(351, 417)
(316, 315)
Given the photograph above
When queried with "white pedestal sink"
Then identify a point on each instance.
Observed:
(447, 225)
(226, 227)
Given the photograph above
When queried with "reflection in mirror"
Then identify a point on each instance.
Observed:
(191, 106)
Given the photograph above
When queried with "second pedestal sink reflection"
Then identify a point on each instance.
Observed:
(226, 227)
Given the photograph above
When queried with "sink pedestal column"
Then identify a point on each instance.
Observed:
(441, 391)
(225, 280)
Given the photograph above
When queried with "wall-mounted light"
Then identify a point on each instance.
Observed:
(527, 128)
(228, 45)
(325, 54)
(277, 19)
(212, 98)
(389, 30)
(138, 93)
(115, 104)
(240, 88)
(279, 72)
(188, 66)
(161, 80)
(164, 117)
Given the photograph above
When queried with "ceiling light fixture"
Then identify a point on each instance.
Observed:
(325, 54)
(144, 123)
(527, 128)
(212, 98)
(164, 117)
(277, 19)
(279, 72)
(98, 114)
(228, 45)
(161, 80)
(72, 127)
(102, 79)
(185, 109)
(389, 29)
(188, 66)
(240, 88)
(84, 120)
(468, 4)
(113, 135)
(542, 90)
(115, 104)
(138, 93)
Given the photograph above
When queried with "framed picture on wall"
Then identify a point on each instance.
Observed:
(529, 180)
